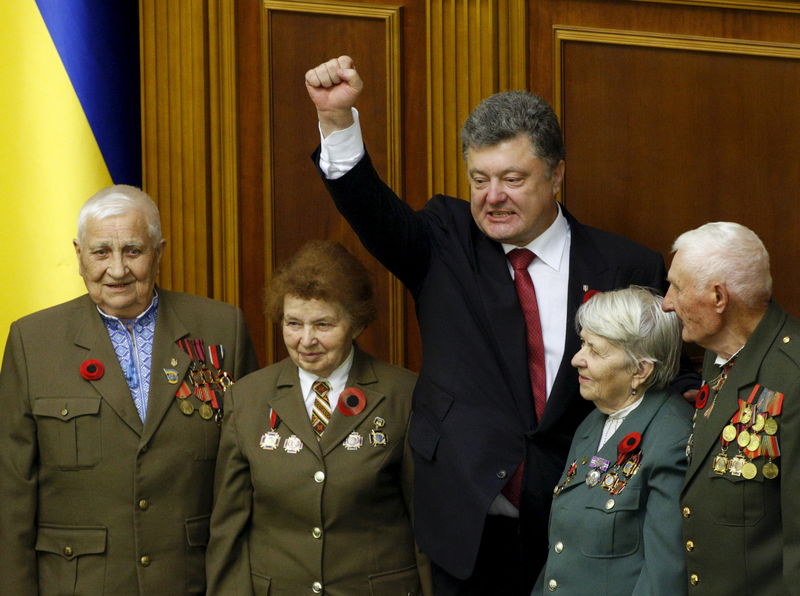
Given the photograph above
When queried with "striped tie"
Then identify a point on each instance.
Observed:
(321, 411)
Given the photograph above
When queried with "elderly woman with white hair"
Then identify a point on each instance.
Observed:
(615, 523)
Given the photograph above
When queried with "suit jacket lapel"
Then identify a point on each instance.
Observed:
(362, 375)
(587, 271)
(169, 329)
(92, 335)
(289, 405)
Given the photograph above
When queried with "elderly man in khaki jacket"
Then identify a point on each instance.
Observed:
(109, 429)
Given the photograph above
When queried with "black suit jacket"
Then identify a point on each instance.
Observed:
(473, 411)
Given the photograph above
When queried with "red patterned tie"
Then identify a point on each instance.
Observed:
(520, 259)
(321, 410)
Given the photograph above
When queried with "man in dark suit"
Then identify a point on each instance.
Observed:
(739, 498)
(108, 436)
(485, 461)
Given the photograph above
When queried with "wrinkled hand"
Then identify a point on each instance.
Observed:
(334, 87)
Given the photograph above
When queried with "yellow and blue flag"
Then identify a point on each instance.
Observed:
(70, 124)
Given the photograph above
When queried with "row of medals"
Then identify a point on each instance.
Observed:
(749, 440)
(204, 382)
(271, 439)
(614, 480)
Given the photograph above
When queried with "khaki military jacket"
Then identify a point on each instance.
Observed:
(94, 501)
(742, 535)
(313, 516)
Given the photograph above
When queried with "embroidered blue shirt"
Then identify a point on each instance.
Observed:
(133, 343)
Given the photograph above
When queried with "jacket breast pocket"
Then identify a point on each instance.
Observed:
(71, 559)
(614, 525)
(69, 431)
(737, 500)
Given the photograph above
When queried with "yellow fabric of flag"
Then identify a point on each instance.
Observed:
(50, 164)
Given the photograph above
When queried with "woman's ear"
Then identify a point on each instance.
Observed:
(644, 368)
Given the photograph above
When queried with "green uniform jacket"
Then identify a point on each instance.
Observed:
(93, 501)
(323, 518)
(628, 543)
(743, 536)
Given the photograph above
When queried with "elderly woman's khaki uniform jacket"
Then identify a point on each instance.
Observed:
(324, 518)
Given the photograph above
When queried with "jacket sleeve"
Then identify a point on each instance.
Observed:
(388, 228)
(664, 569)
(227, 557)
(18, 456)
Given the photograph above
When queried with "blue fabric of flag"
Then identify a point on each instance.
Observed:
(98, 42)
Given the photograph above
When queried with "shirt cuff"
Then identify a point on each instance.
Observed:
(341, 150)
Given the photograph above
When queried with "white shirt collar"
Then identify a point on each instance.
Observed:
(548, 246)
(337, 379)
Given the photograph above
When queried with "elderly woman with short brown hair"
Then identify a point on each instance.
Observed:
(314, 471)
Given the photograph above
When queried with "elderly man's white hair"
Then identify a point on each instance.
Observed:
(118, 200)
(731, 253)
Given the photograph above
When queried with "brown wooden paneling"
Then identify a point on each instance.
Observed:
(677, 115)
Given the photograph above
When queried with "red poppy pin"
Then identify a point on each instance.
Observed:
(351, 401)
(701, 398)
(589, 294)
(91, 370)
(629, 442)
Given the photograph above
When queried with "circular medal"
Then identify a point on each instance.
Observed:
(206, 412)
(749, 470)
(770, 470)
(746, 415)
(592, 478)
(743, 440)
(702, 397)
(770, 426)
(758, 424)
(729, 433)
(186, 407)
(755, 442)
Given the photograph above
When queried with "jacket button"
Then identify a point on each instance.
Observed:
(319, 476)
(689, 545)
(694, 579)
(64, 411)
(316, 587)
(67, 551)
(143, 504)
(552, 585)
(687, 513)
(559, 546)
(501, 474)
(316, 532)
(610, 504)
(144, 560)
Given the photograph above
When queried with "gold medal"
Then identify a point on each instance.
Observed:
(729, 433)
(770, 426)
(186, 407)
(206, 412)
(770, 470)
(755, 442)
(720, 464)
(746, 414)
(743, 440)
(758, 425)
(749, 470)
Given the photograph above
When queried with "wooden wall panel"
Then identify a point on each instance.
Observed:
(297, 207)
(667, 129)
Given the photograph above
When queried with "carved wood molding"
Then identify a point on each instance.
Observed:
(174, 145)
(475, 48)
(390, 16)
(762, 5)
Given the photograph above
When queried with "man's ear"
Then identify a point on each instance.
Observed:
(721, 297)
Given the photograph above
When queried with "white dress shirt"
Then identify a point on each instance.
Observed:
(337, 381)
